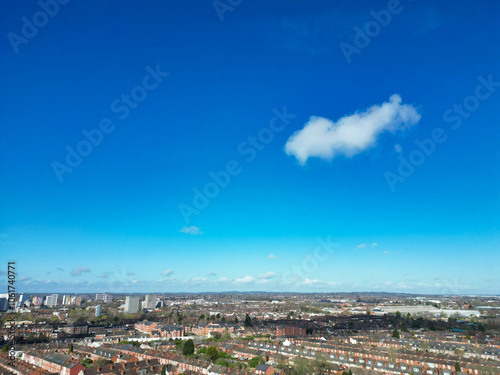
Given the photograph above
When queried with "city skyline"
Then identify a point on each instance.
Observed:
(276, 147)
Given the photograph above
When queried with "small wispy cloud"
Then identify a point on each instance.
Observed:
(212, 273)
(167, 273)
(374, 244)
(130, 273)
(272, 256)
(351, 134)
(244, 280)
(195, 281)
(267, 275)
(103, 275)
(59, 269)
(193, 230)
(361, 246)
(79, 271)
(317, 283)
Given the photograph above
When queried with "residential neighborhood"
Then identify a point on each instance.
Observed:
(261, 334)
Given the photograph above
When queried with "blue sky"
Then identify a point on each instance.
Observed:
(310, 114)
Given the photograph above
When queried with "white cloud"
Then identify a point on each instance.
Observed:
(272, 256)
(351, 134)
(386, 252)
(398, 149)
(374, 244)
(267, 275)
(361, 246)
(195, 281)
(223, 280)
(167, 273)
(317, 282)
(244, 280)
(167, 280)
(80, 270)
(212, 273)
(103, 275)
(191, 230)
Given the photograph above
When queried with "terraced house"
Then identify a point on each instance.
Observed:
(155, 330)
(54, 362)
(210, 328)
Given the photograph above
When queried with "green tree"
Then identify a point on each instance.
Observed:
(54, 321)
(255, 361)
(467, 336)
(222, 362)
(213, 353)
(164, 370)
(223, 319)
(302, 366)
(70, 350)
(320, 364)
(188, 347)
(5, 348)
(248, 321)
(404, 327)
(86, 362)
(395, 333)
(42, 337)
(236, 319)
(457, 367)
